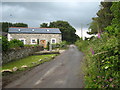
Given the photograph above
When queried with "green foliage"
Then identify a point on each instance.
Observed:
(102, 68)
(44, 25)
(0, 40)
(48, 46)
(66, 29)
(93, 27)
(38, 42)
(82, 44)
(5, 44)
(6, 25)
(103, 19)
(33, 45)
(114, 29)
(28, 61)
(15, 43)
(62, 45)
(20, 25)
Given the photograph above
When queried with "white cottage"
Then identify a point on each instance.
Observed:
(35, 35)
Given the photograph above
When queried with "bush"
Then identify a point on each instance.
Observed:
(5, 44)
(101, 68)
(82, 44)
(34, 45)
(62, 45)
(15, 43)
(54, 46)
(0, 43)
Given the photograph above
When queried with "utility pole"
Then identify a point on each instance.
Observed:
(81, 32)
(8, 22)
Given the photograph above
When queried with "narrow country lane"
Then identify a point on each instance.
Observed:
(62, 72)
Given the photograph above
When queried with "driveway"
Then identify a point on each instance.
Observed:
(62, 72)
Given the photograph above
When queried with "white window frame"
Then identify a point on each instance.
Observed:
(33, 39)
(23, 39)
(53, 39)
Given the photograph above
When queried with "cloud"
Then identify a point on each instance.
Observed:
(53, 0)
(35, 13)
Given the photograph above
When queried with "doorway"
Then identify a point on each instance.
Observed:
(43, 42)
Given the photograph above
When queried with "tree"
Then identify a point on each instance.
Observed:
(105, 15)
(44, 25)
(20, 25)
(103, 19)
(114, 29)
(5, 44)
(93, 27)
(5, 25)
(68, 32)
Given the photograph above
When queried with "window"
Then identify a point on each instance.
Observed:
(23, 40)
(53, 40)
(33, 41)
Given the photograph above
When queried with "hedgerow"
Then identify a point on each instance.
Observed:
(6, 45)
(101, 63)
(15, 43)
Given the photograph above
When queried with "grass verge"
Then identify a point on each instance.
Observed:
(25, 63)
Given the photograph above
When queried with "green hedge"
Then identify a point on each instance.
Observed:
(61, 45)
(10, 44)
(101, 68)
(15, 43)
(5, 44)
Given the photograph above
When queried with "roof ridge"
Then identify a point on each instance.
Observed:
(26, 27)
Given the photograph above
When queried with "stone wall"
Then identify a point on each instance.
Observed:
(15, 54)
(28, 37)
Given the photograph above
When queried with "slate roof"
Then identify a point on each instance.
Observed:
(34, 30)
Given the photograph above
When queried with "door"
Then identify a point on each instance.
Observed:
(43, 42)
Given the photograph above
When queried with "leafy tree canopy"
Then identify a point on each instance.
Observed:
(103, 19)
(44, 25)
(5, 25)
(114, 29)
(20, 25)
(93, 27)
(68, 32)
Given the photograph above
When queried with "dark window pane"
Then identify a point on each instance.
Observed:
(53, 41)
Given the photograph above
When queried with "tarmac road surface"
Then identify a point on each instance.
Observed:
(62, 72)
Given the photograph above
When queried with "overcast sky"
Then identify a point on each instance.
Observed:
(35, 13)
